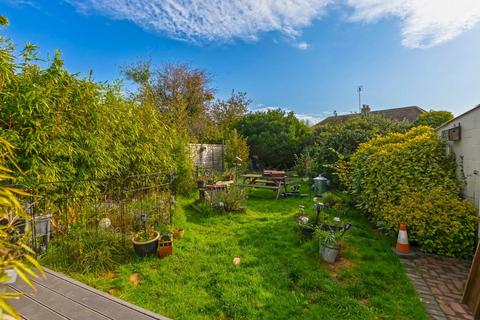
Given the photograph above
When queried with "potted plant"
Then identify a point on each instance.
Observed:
(145, 242)
(165, 245)
(330, 240)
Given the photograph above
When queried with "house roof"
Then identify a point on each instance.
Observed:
(409, 113)
(456, 118)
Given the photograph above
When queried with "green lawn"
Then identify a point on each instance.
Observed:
(280, 276)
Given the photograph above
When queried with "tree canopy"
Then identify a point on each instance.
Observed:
(433, 118)
(274, 137)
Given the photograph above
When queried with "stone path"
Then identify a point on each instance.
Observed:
(439, 282)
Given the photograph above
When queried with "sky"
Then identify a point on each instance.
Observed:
(307, 56)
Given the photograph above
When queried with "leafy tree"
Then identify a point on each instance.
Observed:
(433, 118)
(180, 93)
(236, 146)
(226, 113)
(343, 138)
(274, 137)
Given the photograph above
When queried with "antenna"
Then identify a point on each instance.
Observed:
(359, 89)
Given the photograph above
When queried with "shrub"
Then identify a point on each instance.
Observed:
(409, 178)
(386, 168)
(236, 146)
(438, 223)
(343, 138)
(87, 251)
(232, 200)
(433, 118)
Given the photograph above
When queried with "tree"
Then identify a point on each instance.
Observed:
(236, 147)
(226, 113)
(343, 138)
(180, 93)
(433, 118)
(274, 137)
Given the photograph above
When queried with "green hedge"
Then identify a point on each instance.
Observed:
(388, 172)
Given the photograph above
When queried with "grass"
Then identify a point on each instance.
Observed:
(280, 276)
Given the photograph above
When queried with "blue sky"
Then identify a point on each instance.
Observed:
(302, 55)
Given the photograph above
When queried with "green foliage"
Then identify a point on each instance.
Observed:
(386, 171)
(433, 118)
(232, 200)
(14, 251)
(87, 251)
(343, 138)
(440, 223)
(274, 137)
(226, 113)
(304, 165)
(236, 146)
(70, 128)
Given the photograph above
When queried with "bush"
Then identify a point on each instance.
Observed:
(433, 118)
(236, 146)
(341, 139)
(438, 223)
(87, 251)
(409, 178)
(386, 168)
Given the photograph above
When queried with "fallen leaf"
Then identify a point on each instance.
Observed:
(113, 291)
(134, 279)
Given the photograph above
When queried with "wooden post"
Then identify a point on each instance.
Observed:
(471, 295)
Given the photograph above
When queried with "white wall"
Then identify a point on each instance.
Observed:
(467, 147)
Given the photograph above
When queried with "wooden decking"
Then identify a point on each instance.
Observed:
(58, 297)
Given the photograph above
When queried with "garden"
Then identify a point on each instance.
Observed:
(298, 223)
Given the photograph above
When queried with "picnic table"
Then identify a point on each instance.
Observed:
(270, 179)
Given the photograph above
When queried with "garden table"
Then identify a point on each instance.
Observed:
(273, 180)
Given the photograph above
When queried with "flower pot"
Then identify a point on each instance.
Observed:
(329, 253)
(179, 233)
(165, 245)
(144, 248)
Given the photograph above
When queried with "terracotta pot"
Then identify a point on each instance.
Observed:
(179, 233)
(165, 246)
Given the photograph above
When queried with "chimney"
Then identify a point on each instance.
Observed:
(365, 109)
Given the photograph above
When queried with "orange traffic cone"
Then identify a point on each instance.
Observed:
(402, 241)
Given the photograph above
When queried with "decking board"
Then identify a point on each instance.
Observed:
(60, 297)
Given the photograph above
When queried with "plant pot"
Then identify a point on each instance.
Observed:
(144, 248)
(329, 253)
(165, 245)
(179, 233)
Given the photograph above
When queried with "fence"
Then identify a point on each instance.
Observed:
(111, 205)
(209, 157)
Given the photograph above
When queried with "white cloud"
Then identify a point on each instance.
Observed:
(424, 23)
(211, 20)
(302, 45)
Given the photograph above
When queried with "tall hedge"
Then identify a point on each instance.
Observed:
(66, 127)
(388, 173)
